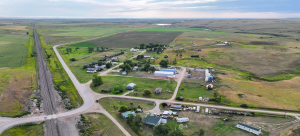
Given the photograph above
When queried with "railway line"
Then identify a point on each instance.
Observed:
(47, 90)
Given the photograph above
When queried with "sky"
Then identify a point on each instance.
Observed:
(150, 8)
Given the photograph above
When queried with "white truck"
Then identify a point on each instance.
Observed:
(206, 110)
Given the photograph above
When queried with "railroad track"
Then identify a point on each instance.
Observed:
(47, 90)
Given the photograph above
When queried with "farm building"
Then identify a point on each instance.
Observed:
(139, 110)
(146, 56)
(115, 63)
(152, 120)
(131, 86)
(91, 70)
(114, 58)
(169, 70)
(116, 70)
(126, 114)
(198, 109)
(248, 128)
(226, 43)
(133, 50)
(163, 74)
(176, 107)
(158, 90)
(181, 120)
(135, 68)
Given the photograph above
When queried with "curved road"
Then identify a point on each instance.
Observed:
(89, 104)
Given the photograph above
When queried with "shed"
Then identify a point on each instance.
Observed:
(114, 58)
(135, 68)
(169, 70)
(133, 50)
(146, 56)
(158, 90)
(116, 70)
(152, 120)
(139, 110)
(176, 107)
(115, 63)
(163, 73)
(249, 128)
(126, 114)
(91, 70)
(198, 109)
(131, 86)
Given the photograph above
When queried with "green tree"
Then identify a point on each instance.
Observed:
(216, 94)
(176, 132)
(142, 46)
(152, 69)
(175, 62)
(146, 67)
(163, 63)
(161, 129)
(97, 80)
(102, 48)
(108, 65)
(139, 107)
(147, 92)
(123, 108)
(90, 49)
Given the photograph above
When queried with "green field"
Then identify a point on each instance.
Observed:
(165, 29)
(28, 129)
(90, 31)
(192, 92)
(82, 44)
(56, 40)
(112, 106)
(101, 125)
(142, 84)
(12, 50)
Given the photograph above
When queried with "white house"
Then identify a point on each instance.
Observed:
(134, 50)
(248, 128)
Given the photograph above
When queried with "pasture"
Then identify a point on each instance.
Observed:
(89, 31)
(112, 106)
(135, 38)
(28, 129)
(100, 124)
(112, 81)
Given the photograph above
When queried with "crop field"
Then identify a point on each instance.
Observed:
(90, 31)
(110, 81)
(135, 38)
(56, 40)
(112, 106)
(102, 125)
(82, 44)
(12, 50)
(28, 129)
(83, 58)
(167, 29)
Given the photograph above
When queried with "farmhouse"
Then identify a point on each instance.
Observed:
(163, 74)
(152, 120)
(126, 114)
(133, 50)
(169, 70)
(248, 128)
(91, 70)
(158, 90)
(131, 86)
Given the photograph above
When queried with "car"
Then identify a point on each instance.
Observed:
(97, 101)
(226, 119)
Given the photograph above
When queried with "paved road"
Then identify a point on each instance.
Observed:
(89, 104)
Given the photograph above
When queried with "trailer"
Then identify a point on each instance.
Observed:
(182, 120)
(198, 109)
(206, 110)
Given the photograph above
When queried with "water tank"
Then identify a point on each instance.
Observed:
(189, 75)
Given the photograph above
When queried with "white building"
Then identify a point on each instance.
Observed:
(181, 120)
(198, 109)
(134, 50)
(248, 128)
(163, 74)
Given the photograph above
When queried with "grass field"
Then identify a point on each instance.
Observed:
(102, 125)
(83, 58)
(82, 44)
(110, 103)
(90, 31)
(135, 38)
(56, 40)
(192, 92)
(28, 129)
(60, 77)
(142, 84)
(167, 29)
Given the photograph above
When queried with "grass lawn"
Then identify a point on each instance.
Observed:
(90, 31)
(142, 84)
(110, 104)
(102, 125)
(192, 92)
(28, 129)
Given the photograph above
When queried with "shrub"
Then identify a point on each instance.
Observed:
(244, 105)
(73, 59)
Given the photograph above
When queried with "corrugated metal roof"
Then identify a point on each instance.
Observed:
(152, 119)
(249, 126)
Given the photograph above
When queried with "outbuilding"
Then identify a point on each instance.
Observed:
(126, 114)
(158, 90)
(182, 120)
(91, 70)
(131, 86)
(248, 128)
(176, 107)
(152, 120)
(163, 73)
(169, 70)
(135, 68)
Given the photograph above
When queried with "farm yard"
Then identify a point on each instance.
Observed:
(110, 82)
(135, 38)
